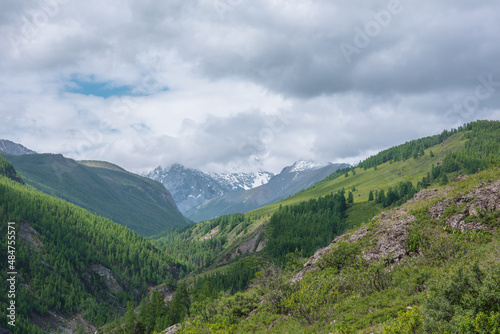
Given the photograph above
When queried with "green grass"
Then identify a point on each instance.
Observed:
(358, 310)
(387, 175)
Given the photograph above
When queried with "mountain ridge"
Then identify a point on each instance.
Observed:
(14, 148)
(139, 203)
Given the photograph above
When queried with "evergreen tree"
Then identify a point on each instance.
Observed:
(370, 196)
(444, 180)
(179, 308)
(130, 318)
(381, 197)
(350, 198)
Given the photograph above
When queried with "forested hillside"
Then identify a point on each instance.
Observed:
(429, 266)
(313, 218)
(395, 176)
(8, 171)
(139, 203)
(70, 261)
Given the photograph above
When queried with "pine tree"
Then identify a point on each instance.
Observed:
(350, 198)
(381, 197)
(370, 196)
(444, 180)
(130, 318)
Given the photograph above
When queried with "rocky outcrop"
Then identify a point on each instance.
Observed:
(110, 280)
(392, 237)
(210, 234)
(254, 242)
(53, 323)
(485, 197)
(167, 293)
(30, 235)
(172, 329)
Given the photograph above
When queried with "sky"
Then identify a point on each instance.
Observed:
(240, 85)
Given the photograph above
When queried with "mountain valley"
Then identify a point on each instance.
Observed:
(404, 242)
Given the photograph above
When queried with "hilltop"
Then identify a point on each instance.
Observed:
(134, 201)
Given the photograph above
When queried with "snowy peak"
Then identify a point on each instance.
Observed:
(304, 165)
(243, 181)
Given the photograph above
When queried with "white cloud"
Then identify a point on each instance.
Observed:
(257, 85)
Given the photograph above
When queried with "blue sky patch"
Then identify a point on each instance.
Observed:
(102, 89)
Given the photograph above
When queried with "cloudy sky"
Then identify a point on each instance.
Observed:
(240, 84)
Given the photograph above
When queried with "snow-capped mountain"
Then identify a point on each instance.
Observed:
(243, 181)
(291, 180)
(191, 187)
(303, 165)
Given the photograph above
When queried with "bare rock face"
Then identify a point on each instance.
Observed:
(53, 323)
(358, 235)
(167, 293)
(30, 235)
(392, 238)
(485, 197)
(172, 329)
(210, 234)
(110, 280)
(255, 243)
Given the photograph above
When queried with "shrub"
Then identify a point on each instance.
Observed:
(409, 322)
(341, 255)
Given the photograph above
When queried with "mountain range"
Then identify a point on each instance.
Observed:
(289, 181)
(203, 196)
(191, 187)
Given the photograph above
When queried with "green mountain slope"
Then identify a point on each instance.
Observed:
(72, 266)
(429, 266)
(7, 170)
(307, 225)
(139, 203)
(465, 150)
(399, 272)
(231, 235)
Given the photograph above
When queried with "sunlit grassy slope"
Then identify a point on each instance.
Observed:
(387, 175)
